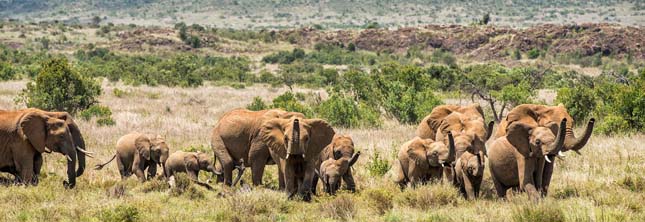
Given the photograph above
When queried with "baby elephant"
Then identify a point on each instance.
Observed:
(422, 160)
(137, 152)
(469, 171)
(335, 162)
(190, 163)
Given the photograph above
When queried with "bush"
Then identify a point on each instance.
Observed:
(95, 111)
(257, 104)
(122, 213)
(579, 101)
(612, 124)
(7, 71)
(345, 112)
(378, 166)
(45, 92)
(533, 53)
(288, 102)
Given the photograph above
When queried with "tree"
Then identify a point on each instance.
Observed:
(96, 20)
(61, 88)
(485, 19)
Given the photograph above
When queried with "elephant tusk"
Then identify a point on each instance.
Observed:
(547, 158)
(288, 156)
(47, 150)
(578, 152)
(303, 156)
(561, 154)
(87, 153)
(68, 157)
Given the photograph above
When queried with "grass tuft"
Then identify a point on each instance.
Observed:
(342, 207)
(430, 196)
(540, 212)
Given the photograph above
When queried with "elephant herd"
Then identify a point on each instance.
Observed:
(452, 143)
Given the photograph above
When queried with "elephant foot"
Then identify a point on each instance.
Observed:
(68, 185)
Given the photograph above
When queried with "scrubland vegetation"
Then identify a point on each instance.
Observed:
(179, 81)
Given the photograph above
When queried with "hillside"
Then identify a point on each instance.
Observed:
(330, 13)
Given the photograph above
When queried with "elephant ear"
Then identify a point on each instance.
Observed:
(191, 161)
(320, 136)
(272, 134)
(33, 127)
(417, 151)
(143, 146)
(518, 136)
(438, 114)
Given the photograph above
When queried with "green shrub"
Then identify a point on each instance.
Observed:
(378, 165)
(105, 121)
(533, 53)
(579, 101)
(635, 184)
(59, 87)
(119, 93)
(7, 71)
(288, 102)
(95, 111)
(122, 213)
(345, 112)
(257, 104)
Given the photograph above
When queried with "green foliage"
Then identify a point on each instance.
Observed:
(635, 184)
(378, 166)
(380, 199)
(257, 104)
(60, 87)
(289, 102)
(579, 101)
(533, 53)
(345, 112)
(7, 71)
(95, 111)
(122, 213)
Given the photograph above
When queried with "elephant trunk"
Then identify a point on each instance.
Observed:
(451, 148)
(81, 158)
(69, 151)
(295, 140)
(354, 158)
(575, 144)
(559, 140)
(489, 130)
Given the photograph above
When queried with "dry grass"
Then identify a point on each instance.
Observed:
(604, 184)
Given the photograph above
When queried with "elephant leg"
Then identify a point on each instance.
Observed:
(477, 183)
(281, 168)
(467, 187)
(314, 184)
(38, 164)
(527, 184)
(307, 179)
(123, 170)
(257, 171)
(500, 189)
(259, 155)
(25, 169)
(138, 166)
(546, 177)
(224, 158)
(349, 180)
(193, 174)
(152, 171)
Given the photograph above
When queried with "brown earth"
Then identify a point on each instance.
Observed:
(490, 42)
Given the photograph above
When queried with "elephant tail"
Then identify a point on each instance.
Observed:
(100, 166)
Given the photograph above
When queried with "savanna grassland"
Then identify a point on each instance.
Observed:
(604, 184)
(373, 69)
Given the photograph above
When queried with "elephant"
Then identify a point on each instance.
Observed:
(335, 162)
(237, 137)
(190, 163)
(26, 134)
(422, 160)
(295, 144)
(136, 152)
(430, 124)
(544, 115)
(517, 160)
(469, 171)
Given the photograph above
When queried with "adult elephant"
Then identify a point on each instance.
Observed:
(517, 160)
(542, 116)
(295, 143)
(25, 135)
(237, 136)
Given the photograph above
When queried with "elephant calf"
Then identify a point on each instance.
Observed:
(422, 160)
(469, 171)
(137, 152)
(335, 162)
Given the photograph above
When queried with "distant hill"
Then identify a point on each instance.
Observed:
(327, 13)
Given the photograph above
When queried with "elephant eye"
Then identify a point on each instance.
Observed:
(435, 153)
(538, 142)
